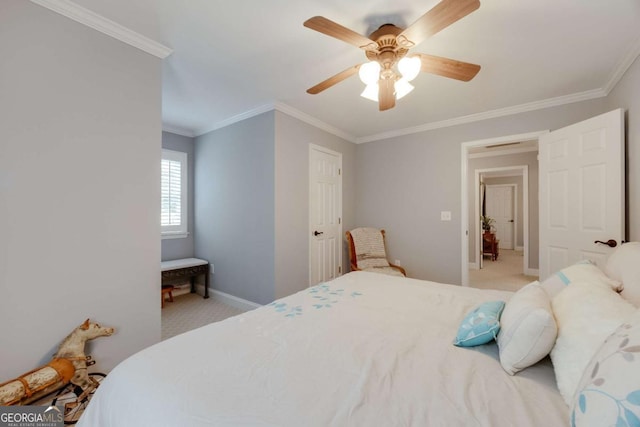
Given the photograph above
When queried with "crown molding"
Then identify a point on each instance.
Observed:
(106, 26)
(491, 114)
(283, 108)
(516, 109)
(178, 130)
(622, 67)
(237, 118)
(293, 112)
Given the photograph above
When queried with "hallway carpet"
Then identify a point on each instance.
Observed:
(504, 274)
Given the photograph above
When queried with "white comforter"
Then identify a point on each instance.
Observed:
(362, 350)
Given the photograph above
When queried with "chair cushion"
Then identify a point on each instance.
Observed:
(369, 246)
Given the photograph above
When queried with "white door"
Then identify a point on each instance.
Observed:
(500, 208)
(581, 191)
(325, 212)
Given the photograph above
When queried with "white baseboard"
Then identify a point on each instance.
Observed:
(519, 248)
(233, 301)
(473, 266)
(532, 272)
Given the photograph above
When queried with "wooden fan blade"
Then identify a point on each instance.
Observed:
(440, 17)
(333, 80)
(330, 28)
(450, 68)
(386, 95)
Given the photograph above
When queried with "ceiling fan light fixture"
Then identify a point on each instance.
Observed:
(371, 92)
(369, 73)
(410, 67)
(402, 87)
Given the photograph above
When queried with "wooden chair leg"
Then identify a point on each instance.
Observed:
(166, 290)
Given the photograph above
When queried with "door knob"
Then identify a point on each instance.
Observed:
(317, 233)
(611, 243)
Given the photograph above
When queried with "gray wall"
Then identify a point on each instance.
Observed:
(234, 207)
(626, 95)
(182, 247)
(529, 159)
(403, 183)
(292, 198)
(79, 168)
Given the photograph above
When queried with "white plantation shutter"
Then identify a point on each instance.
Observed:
(173, 211)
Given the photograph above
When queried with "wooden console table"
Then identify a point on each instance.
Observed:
(179, 269)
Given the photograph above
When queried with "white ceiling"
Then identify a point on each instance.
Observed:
(232, 58)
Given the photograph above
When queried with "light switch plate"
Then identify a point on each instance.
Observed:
(445, 216)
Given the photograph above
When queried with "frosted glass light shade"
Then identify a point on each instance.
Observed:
(402, 87)
(409, 67)
(371, 92)
(369, 73)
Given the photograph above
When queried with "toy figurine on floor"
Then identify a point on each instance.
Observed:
(69, 365)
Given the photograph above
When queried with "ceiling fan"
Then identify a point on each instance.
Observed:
(390, 69)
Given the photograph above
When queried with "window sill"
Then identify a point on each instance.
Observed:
(174, 235)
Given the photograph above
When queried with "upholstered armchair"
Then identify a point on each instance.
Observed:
(367, 252)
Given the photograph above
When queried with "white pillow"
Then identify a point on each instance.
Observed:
(586, 313)
(527, 329)
(582, 271)
(609, 392)
(624, 266)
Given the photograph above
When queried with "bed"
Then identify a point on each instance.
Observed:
(368, 349)
(362, 350)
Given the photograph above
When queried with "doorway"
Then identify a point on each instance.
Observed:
(505, 162)
(501, 205)
(502, 235)
(325, 214)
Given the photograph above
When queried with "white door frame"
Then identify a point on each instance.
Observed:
(339, 207)
(514, 200)
(464, 193)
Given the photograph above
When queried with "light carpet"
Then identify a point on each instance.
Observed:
(191, 311)
(504, 274)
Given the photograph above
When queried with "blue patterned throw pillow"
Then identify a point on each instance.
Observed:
(609, 391)
(481, 325)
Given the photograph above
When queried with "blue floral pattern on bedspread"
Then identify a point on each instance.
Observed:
(283, 307)
(609, 393)
(322, 295)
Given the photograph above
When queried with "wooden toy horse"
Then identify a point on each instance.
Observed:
(72, 348)
(69, 364)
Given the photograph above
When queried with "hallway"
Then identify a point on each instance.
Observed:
(505, 273)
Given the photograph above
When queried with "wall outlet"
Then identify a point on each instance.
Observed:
(445, 216)
(397, 262)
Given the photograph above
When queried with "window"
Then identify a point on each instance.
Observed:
(173, 211)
